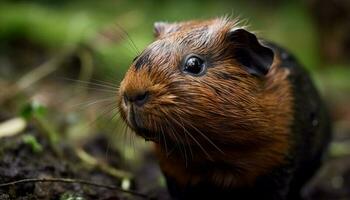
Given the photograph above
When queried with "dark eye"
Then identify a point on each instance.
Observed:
(194, 65)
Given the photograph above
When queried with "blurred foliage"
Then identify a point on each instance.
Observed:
(100, 35)
(58, 24)
(85, 40)
(37, 112)
(78, 27)
(33, 143)
(33, 109)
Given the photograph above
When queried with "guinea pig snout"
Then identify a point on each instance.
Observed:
(139, 98)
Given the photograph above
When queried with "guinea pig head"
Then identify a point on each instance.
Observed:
(201, 83)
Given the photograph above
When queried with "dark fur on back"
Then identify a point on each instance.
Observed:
(231, 132)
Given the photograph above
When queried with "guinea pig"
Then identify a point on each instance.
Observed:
(230, 116)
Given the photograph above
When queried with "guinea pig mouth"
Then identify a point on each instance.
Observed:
(136, 124)
(147, 134)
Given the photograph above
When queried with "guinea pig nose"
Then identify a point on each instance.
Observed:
(138, 98)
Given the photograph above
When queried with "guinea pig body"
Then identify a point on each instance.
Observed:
(231, 117)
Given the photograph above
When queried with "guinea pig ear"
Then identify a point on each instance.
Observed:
(256, 57)
(161, 28)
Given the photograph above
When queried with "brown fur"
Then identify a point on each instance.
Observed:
(226, 127)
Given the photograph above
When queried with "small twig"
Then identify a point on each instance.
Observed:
(67, 180)
(39, 72)
(92, 161)
(87, 67)
(35, 75)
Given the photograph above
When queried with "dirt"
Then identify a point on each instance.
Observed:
(18, 160)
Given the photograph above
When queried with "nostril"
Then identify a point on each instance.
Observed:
(141, 98)
(138, 98)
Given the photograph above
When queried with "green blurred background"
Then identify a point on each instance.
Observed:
(53, 26)
(91, 39)
(69, 57)
(47, 46)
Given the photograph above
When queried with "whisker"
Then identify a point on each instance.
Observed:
(195, 140)
(124, 135)
(105, 111)
(110, 91)
(179, 142)
(90, 123)
(117, 33)
(132, 137)
(93, 102)
(89, 83)
(186, 138)
(203, 135)
(113, 135)
(114, 85)
(166, 146)
(131, 42)
(206, 138)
